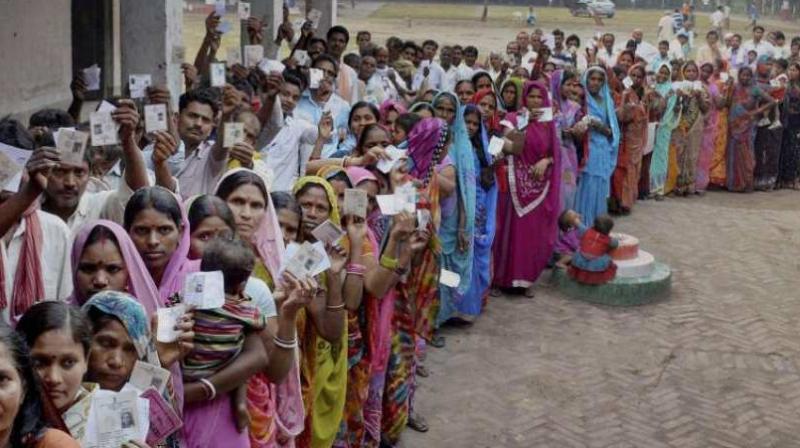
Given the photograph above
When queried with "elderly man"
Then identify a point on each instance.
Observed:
(644, 50)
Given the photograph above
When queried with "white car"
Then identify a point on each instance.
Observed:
(588, 8)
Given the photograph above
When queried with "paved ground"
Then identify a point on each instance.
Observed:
(714, 366)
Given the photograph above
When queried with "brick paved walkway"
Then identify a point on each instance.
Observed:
(715, 366)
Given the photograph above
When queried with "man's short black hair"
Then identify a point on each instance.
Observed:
(315, 40)
(558, 32)
(201, 95)
(471, 50)
(779, 35)
(13, 133)
(296, 78)
(340, 30)
(430, 42)
(51, 118)
(758, 27)
(410, 44)
(327, 58)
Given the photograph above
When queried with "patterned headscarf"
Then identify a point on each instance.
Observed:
(426, 141)
(133, 317)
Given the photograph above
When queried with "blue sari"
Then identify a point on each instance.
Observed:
(659, 163)
(595, 180)
(453, 259)
(485, 223)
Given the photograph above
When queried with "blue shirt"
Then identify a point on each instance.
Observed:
(311, 111)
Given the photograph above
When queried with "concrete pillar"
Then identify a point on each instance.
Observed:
(328, 8)
(272, 12)
(149, 29)
(36, 55)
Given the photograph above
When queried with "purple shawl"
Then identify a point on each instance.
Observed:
(425, 143)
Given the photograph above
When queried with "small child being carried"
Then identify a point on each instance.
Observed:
(220, 337)
(592, 263)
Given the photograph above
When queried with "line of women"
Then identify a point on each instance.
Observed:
(334, 359)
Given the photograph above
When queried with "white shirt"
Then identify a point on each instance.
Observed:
(311, 111)
(665, 23)
(465, 72)
(108, 205)
(257, 290)
(112, 179)
(761, 48)
(717, 18)
(196, 174)
(646, 50)
(435, 75)
(285, 155)
(608, 58)
(450, 79)
(781, 52)
(54, 258)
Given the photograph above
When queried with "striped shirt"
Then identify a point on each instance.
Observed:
(219, 336)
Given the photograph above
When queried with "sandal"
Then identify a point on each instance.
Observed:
(529, 293)
(437, 341)
(423, 371)
(495, 292)
(417, 422)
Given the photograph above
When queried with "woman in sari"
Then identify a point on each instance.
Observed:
(790, 149)
(717, 171)
(711, 127)
(415, 305)
(633, 115)
(323, 325)
(486, 102)
(571, 132)
(470, 303)
(659, 162)
(389, 111)
(769, 131)
(688, 135)
(603, 144)
(155, 210)
(458, 220)
(743, 101)
(275, 407)
(511, 93)
(533, 203)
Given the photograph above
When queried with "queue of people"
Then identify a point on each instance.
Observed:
(476, 178)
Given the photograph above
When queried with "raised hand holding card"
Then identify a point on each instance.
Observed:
(204, 290)
(103, 128)
(234, 133)
(146, 375)
(217, 70)
(91, 76)
(355, 202)
(315, 77)
(71, 145)
(233, 56)
(167, 320)
(328, 232)
(496, 145)
(155, 117)
(244, 10)
(253, 54)
(138, 85)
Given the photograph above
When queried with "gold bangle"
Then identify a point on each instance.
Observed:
(389, 262)
(335, 307)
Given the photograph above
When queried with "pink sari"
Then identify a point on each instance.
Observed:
(276, 410)
(530, 207)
